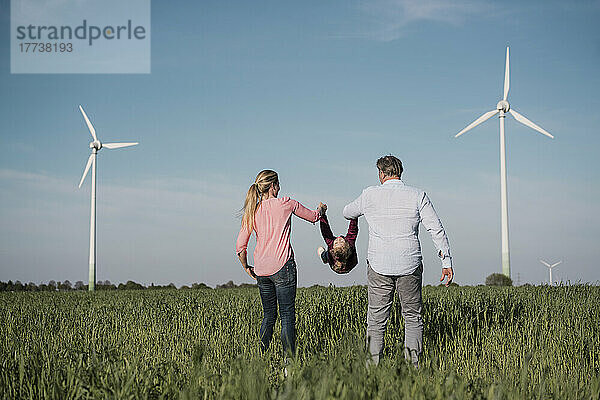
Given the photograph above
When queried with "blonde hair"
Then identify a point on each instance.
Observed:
(261, 185)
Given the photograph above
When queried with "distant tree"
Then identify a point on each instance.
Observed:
(171, 286)
(66, 285)
(228, 285)
(184, 287)
(498, 280)
(43, 287)
(52, 285)
(31, 287)
(79, 285)
(130, 285)
(200, 286)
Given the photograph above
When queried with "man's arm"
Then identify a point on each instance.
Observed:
(432, 223)
(354, 209)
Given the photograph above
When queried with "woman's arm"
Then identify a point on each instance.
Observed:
(241, 251)
(300, 211)
(243, 256)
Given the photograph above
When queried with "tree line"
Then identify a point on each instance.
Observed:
(65, 286)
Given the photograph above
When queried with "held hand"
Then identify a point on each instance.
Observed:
(322, 208)
(447, 272)
(250, 271)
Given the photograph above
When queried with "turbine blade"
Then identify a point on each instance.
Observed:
(506, 76)
(118, 145)
(545, 263)
(478, 121)
(530, 124)
(89, 124)
(555, 264)
(87, 168)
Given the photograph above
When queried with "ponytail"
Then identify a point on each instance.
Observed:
(261, 185)
(250, 206)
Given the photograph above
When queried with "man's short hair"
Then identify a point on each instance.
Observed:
(390, 166)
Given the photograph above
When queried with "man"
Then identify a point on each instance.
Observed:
(394, 211)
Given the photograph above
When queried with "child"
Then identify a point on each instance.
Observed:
(341, 251)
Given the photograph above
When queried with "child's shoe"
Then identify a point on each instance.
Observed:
(322, 254)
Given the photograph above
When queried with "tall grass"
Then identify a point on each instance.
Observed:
(480, 342)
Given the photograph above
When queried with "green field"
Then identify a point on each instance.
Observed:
(480, 342)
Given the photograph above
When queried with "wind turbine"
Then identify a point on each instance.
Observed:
(550, 268)
(502, 108)
(95, 145)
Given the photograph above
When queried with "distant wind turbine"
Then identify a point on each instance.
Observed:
(503, 107)
(95, 145)
(550, 268)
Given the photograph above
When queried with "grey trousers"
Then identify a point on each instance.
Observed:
(381, 295)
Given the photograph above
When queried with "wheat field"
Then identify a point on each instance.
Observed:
(479, 342)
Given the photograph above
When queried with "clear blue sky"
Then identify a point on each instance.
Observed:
(317, 91)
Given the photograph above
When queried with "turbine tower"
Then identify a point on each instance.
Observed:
(95, 145)
(502, 108)
(550, 268)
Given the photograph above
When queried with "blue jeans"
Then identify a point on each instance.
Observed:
(279, 288)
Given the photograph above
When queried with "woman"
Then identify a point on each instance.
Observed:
(274, 266)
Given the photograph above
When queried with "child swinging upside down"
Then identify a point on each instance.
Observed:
(341, 251)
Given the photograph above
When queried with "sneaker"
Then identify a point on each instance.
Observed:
(412, 357)
(320, 252)
(286, 363)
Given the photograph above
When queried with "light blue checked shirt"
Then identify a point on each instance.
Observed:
(393, 211)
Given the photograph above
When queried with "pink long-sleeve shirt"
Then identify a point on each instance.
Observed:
(273, 224)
